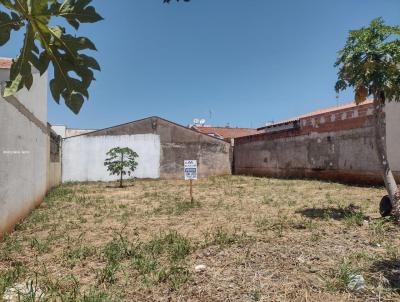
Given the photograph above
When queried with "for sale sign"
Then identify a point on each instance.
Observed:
(190, 169)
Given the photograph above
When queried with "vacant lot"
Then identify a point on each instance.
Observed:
(259, 240)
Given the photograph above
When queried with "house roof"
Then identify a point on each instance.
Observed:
(332, 109)
(225, 132)
(319, 112)
(5, 63)
(139, 120)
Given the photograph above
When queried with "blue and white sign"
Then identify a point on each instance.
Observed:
(190, 169)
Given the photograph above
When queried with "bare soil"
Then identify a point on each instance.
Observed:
(260, 239)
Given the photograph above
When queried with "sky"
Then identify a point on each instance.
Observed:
(240, 63)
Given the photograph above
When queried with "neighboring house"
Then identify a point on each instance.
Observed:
(29, 150)
(64, 132)
(162, 147)
(334, 144)
(226, 133)
(328, 116)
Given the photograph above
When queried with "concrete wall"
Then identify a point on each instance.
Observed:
(73, 131)
(59, 130)
(83, 156)
(393, 134)
(24, 151)
(64, 132)
(54, 159)
(177, 144)
(336, 146)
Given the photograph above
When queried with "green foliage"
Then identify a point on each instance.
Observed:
(10, 276)
(369, 62)
(355, 218)
(223, 237)
(44, 44)
(121, 161)
(161, 260)
(175, 245)
(342, 276)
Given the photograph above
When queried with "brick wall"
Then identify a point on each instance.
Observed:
(333, 145)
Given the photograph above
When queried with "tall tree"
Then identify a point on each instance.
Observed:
(370, 64)
(46, 44)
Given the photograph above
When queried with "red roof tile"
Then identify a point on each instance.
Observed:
(322, 111)
(329, 110)
(5, 63)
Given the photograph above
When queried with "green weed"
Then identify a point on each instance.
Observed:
(342, 276)
(161, 260)
(354, 218)
(223, 238)
(41, 246)
(173, 244)
(9, 277)
(10, 244)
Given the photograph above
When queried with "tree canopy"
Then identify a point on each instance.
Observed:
(370, 62)
(121, 161)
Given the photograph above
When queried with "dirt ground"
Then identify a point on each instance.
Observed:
(242, 239)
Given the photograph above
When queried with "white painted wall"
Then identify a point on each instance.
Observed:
(59, 129)
(83, 156)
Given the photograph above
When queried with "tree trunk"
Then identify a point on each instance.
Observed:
(120, 180)
(380, 142)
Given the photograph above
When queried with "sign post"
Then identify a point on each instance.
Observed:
(190, 171)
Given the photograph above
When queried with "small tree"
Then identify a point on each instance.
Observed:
(370, 63)
(121, 161)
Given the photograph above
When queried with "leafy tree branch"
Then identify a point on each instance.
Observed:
(44, 44)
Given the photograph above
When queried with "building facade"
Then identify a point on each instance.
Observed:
(162, 147)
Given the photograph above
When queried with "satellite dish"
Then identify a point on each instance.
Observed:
(195, 121)
(202, 121)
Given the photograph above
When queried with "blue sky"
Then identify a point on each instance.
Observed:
(246, 61)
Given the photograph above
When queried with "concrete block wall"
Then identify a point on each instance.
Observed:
(335, 146)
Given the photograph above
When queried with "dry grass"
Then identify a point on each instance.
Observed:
(260, 239)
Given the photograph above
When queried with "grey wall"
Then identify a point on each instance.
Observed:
(177, 144)
(25, 165)
(54, 159)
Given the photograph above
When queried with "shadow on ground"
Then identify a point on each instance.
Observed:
(390, 269)
(330, 212)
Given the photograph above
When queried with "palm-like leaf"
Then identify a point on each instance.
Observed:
(45, 44)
